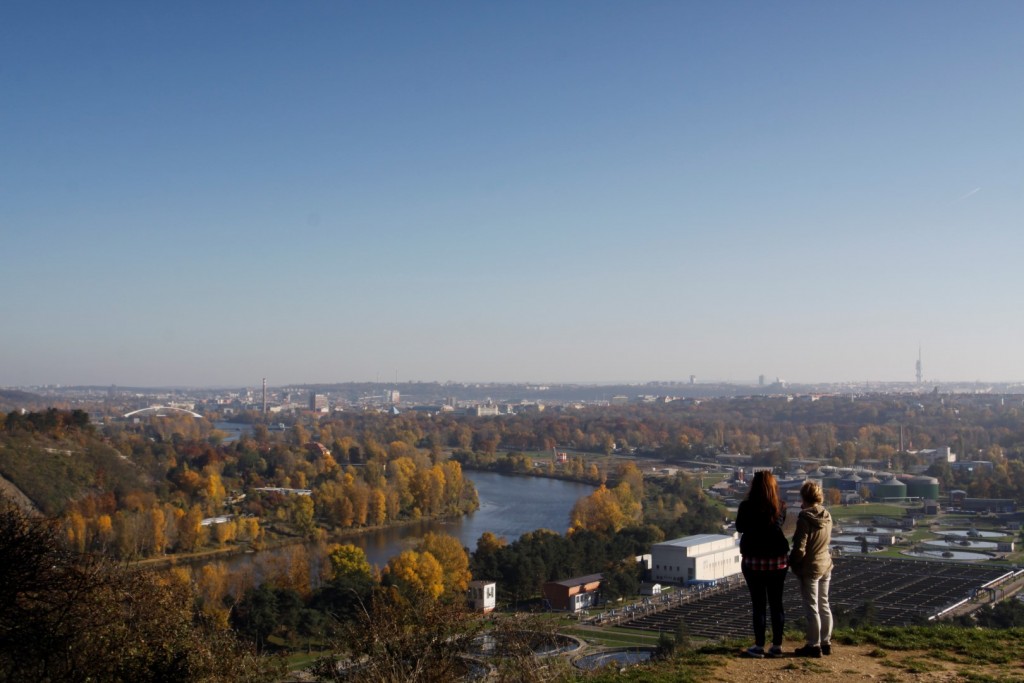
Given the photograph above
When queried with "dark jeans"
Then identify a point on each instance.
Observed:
(766, 594)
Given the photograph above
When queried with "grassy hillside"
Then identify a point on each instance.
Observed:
(53, 471)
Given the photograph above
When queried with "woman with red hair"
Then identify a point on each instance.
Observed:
(765, 553)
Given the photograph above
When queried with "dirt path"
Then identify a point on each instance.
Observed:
(850, 663)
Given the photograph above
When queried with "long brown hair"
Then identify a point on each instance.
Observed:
(764, 494)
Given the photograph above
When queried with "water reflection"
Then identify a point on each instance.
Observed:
(510, 506)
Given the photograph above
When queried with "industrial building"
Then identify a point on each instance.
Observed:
(703, 558)
(573, 594)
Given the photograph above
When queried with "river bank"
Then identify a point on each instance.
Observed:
(509, 506)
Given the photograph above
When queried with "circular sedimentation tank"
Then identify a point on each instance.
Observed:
(862, 529)
(619, 658)
(961, 555)
(541, 644)
(961, 544)
(851, 482)
(974, 533)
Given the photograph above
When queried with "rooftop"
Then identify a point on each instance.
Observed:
(699, 539)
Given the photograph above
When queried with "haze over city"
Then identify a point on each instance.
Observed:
(207, 194)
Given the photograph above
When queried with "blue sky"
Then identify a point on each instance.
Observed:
(205, 193)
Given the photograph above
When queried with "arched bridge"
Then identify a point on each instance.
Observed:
(161, 408)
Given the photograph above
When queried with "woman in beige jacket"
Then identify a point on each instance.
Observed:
(811, 561)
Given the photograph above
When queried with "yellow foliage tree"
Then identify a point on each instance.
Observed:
(453, 559)
(76, 530)
(303, 515)
(629, 502)
(104, 534)
(190, 529)
(348, 561)
(249, 529)
(417, 575)
(225, 532)
(600, 512)
(213, 491)
(158, 530)
(378, 508)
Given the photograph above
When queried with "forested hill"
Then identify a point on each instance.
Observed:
(55, 456)
(11, 399)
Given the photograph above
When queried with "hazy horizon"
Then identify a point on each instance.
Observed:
(206, 194)
(711, 382)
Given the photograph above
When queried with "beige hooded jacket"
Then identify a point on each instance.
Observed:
(810, 557)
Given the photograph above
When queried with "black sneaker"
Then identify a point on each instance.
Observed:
(773, 651)
(826, 648)
(808, 651)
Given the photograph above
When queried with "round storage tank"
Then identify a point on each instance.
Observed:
(923, 487)
(850, 482)
(891, 488)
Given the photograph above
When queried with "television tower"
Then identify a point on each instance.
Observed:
(264, 395)
(919, 378)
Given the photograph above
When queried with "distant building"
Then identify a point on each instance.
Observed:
(318, 403)
(317, 449)
(932, 455)
(989, 504)
(284, 491)
(482, 596)
(488, 410)
(972, 466)
(695, 559)
(573, 594)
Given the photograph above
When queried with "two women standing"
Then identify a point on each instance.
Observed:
(767, 557)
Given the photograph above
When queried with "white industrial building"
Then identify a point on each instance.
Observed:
(695, 559)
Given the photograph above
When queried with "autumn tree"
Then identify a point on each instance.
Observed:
(417, 575)
(601, 511)
(190, 529)
(302, 514)
(71, 617)
(348, 562)
(453, 559)
(394, 642)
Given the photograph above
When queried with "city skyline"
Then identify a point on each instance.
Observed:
(203, 195)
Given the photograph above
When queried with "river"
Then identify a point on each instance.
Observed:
(510, 506)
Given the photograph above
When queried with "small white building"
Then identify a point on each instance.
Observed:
(482, 596)
(705, 557)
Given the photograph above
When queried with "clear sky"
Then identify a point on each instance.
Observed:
(208, 193)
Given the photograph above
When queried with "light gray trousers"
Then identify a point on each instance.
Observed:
(819, 617)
